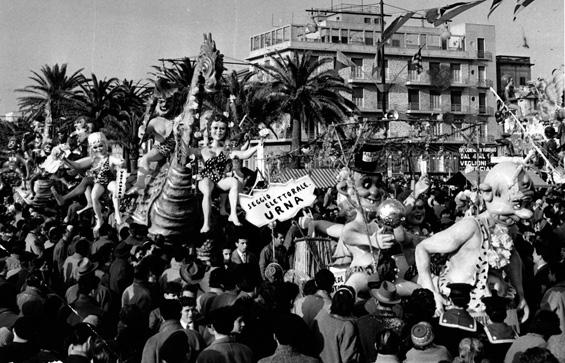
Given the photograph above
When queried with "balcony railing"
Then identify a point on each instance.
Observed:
(358, 102)
(456, 107)
(485, 83)
(481, 54)
(413, 106)
(486, 110)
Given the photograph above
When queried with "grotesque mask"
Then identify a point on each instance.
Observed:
(508, 192)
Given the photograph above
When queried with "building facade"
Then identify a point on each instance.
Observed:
(450, 94)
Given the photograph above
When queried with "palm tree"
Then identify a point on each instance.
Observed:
(253, 101)
(98, 99)
(309, 92)
(53, 94)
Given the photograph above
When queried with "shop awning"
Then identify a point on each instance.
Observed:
(323, 178)
(462, 178)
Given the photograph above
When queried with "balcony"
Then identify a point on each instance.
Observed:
(485, 83)
(358, 102)
(484, 110)
(481, 54)
(413, 106)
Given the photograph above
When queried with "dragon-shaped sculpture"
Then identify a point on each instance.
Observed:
(168, 207)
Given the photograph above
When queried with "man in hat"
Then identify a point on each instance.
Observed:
(363, 187)
(381, 316)
(121, 272)
(425, 350)
(455, 323)
(86, 271)
(499, 335)
(138, 292)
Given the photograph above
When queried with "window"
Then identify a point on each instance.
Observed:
(367, 20)
(357, 96)
(435, 100)
(434, 68)
(412, 72)
(344, 37)
(335, 35)
(522, 81)
(380, 100)
(433, 41)
(482, 102)
(369, 38)
(411, 40)
(357, 71)
(482, 74)
(396, 40)
(413, 100)
(376, 21)
(456, 73)
(356, 37)
(456, 101)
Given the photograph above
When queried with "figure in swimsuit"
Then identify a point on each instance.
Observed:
(216, 157)
(100, 176)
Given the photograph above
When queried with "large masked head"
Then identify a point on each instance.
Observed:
(508, 192)
(363, 185)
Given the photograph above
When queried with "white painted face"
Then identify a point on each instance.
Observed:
(97, 147)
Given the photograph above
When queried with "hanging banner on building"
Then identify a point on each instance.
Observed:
(279, 202)
(468, 158)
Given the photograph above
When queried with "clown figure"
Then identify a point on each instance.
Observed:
(481, 250)
(99, 177)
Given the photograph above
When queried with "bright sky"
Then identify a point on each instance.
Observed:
(124, 38)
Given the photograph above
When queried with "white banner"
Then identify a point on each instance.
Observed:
(279, 202)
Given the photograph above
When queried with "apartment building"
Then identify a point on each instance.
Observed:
(454, 86)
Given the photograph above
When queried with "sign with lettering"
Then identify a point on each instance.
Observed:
(279, 202)
(339, 274)
(468, 157)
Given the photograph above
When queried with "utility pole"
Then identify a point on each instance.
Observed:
(382, 65)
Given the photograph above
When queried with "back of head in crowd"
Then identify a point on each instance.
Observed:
(222, 320)
(546, 324)
(217, 278)
(82, 334)
(175, 349)
(170, 309)
(325, 280)
(343, 301)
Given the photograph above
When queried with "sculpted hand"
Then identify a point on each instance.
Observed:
(421, 186)
(440, 302)
(523, 306)
(384, 240)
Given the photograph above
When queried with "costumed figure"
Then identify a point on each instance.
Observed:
(216, 157)
(376, 227)
(101, 167)
(481, 250)
(169, 200)
(15, 163)
(160, 128)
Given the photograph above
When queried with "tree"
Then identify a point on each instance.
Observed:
(129, 98)
(309, 92)
(53, 94)
(254, 103)
(98, 99)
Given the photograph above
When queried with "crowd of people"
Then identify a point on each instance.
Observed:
(116, 295)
